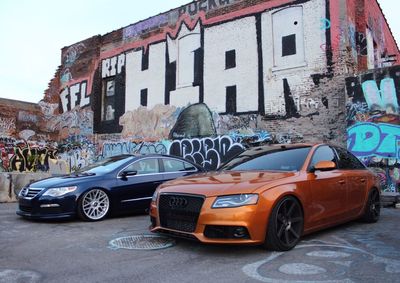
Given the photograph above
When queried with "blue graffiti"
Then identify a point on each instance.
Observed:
(380, 98)
(254, 138)
(325, 24)
(368, 139)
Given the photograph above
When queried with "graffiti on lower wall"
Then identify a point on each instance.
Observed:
(374, 139)
(208, 152)
(18, 155)
(77, 153)
(129, 147)
(373, 117)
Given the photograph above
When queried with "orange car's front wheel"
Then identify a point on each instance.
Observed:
(285, 225)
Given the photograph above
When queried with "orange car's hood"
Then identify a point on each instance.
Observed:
(223, 183)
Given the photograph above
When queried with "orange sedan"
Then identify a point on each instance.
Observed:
(270, 195)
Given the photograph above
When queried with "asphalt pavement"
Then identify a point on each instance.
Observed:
(76, 251)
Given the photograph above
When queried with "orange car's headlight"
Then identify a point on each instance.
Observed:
(235, 200)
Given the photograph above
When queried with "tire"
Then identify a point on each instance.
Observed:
(372, 207)
(94, 205)
(285, 225)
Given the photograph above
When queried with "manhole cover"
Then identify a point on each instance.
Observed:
(142, 242)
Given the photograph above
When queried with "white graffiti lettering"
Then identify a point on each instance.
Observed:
(73, 96)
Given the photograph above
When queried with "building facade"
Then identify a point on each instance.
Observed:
(208, 78)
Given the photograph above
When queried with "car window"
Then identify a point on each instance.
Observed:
(144, 166)
(322, 153)
(189, 167)
(172, 165)
(347, 160)
(285, 159)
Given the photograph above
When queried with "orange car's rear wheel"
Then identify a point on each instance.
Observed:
(372, 207)
(285, 225)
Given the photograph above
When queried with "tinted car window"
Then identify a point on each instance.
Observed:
(348, 160)
(290, 159)
(322, 153)
(144, 166)
(172, 165)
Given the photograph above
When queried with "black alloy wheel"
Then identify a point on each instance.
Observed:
(285, 225)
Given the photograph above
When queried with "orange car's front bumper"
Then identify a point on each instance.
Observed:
(252, 217)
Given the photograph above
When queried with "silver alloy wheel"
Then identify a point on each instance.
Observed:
(95, 204)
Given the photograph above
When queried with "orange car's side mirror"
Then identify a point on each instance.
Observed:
(324, 166)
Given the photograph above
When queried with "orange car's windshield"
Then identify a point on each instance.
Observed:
(283, 159)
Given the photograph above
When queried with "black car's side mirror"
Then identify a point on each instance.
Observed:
(125, 174)
(323, 166)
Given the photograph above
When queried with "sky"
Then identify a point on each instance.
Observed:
(33, 32)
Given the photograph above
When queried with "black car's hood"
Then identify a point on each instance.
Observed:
(62, 181)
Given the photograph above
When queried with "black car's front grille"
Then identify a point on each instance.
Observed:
(179, 211)
(30, 192)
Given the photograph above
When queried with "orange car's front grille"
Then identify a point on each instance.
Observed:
(179, 211)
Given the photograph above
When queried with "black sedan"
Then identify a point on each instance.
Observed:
(118, 184)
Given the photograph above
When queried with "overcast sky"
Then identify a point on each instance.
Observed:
(33, 33)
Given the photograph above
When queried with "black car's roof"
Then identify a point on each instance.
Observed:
(138, 155)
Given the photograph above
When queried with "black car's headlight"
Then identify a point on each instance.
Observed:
(235, 200)
(58, 192)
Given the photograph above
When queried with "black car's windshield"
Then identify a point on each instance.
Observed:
(277, 159)
(106, 165)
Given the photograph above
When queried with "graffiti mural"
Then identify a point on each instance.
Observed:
(251, 139)
(212, 66)
(29, 158)
(75, 123)
(74, 95)
(210, 78)
(373, 118)
(208, 152)
(369, 139)
(75, 153)
(128, 147)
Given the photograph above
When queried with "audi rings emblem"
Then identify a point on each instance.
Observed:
(177, 202)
